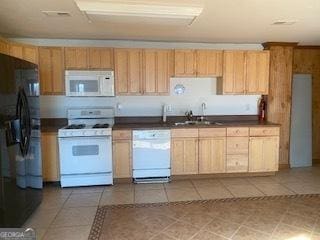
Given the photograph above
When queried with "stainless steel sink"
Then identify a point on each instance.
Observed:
(192, 123)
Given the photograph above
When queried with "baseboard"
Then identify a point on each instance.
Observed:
(315, 161)
(284, 166)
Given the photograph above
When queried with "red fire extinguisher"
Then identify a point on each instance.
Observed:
(262, 108)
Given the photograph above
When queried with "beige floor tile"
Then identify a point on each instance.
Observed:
(244, 191)
(216, 192)
(222, 228)
(148, 186)
(182, 194)
(94, 189)
(299, 221)
(286, 232)
(303, 211)
(249, 234)
(56, 191)
(205, 235)
(273, 189)
(261, 180)
(234, 181)
(317, 226)
(197, 219)
(179, 184)
(41, 218)
(40, 232)
(150, 196)
(181, 230)
(74, 217)
(263, 223)
(53, 201)
(68, 233)
(120, 187)
(201, 183)
(303, 188)
(83, 200)
(117, 197)
(162, 236)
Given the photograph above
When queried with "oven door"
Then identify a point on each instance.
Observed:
(81, 155)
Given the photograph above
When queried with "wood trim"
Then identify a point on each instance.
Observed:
(267, 45)
(307, 47)
(284, 166)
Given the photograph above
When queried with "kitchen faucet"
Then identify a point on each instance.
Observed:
(203, 107)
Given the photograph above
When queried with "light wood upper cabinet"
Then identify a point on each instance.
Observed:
(257, 75)
(209, 63)
(4, 46)
(51, 68)
(185, 63)
(212, 155)
(157, 70)
(128, 71)
(30, 53)
(234, 72)
(101, 58)
(263, 154)
(50, 157)
(16, 50)
(244, 72)
(122, 153)
(76, 58)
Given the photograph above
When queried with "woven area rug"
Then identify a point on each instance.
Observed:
(272, 217)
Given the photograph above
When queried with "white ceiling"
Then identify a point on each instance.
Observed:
(222, 21)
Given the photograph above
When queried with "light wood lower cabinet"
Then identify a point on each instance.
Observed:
(237, 154)
(212, 155)
(50, 157)
(184, 156)
(122, 164)
(122, 153)
(263, 154)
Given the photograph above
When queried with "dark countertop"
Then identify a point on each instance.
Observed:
(223, 121)
(52, 124)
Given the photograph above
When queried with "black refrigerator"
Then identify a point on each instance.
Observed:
(20, 141)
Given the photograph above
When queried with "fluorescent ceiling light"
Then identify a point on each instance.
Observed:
(111, 8)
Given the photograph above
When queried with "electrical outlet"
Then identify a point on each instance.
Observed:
(169, 108)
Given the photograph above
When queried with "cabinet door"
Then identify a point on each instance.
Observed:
(234, 72)
(157, 69)
(209, 63)
(100, 58)
(257, 72)
(128, 71)
(212, 155)
(51, 71)
(30, 53)
(185, 63)
(184, 156)
(45, 70)
(76, 58)
(122, 164)
(4, 46)
(57, 61)
(50, 157)
(16, 50)
(263, 154)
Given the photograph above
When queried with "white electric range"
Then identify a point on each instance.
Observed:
(85, 147)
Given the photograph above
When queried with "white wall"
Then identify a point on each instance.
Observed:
(198, 90)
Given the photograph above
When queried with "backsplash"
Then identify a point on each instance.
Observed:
(197, 91)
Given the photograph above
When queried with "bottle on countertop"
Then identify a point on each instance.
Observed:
(262, 108)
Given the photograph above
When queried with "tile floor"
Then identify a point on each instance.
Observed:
(68, 213)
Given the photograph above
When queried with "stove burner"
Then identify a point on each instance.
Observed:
(106, 125)
(76, 126)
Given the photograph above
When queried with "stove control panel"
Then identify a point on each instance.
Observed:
(84, 132)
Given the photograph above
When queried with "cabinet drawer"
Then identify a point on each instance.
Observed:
(237, 163)
(237, 145)
(121, 134)
(264, 131)
(186, 132)
(212, 132)
(238, 132)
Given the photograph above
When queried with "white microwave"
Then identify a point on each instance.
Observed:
(89, 83)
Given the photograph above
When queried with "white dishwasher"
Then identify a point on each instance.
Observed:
(151, 156)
